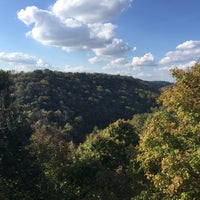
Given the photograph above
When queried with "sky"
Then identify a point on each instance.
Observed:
(140, 38)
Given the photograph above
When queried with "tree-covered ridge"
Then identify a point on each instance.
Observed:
(153, 156)
(77, 102)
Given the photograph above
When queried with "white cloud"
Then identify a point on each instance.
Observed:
(102, 31)
(143, 75)
(123, 67)
(69, 68)
(164, 72)
(186, 51)
(95, 60)
(28, 18)
(116, 48)
(65, 25)
(146, 60)
(184, 66)
(22, 61)
(91, 11)
(134, 48)
(49, 30)
(190, 44)
(119, 63)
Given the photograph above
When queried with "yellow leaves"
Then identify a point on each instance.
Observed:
(184, 96)
(177, 181)
(169, 147)
(172, 177)
(165, 164)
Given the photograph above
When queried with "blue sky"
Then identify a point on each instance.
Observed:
(139, 38)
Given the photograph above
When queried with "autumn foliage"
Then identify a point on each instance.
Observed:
(153, 156)
(170, 145)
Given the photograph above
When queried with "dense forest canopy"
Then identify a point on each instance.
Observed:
(78, 102)
(145, 156)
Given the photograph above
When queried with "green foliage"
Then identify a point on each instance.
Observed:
(139, 121)
(54, 154)
(170, 145)
(64, 107)
(19, 172)
(105, 166)
(54, 99)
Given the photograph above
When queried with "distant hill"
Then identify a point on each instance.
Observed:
(78, 102)
(159, 84)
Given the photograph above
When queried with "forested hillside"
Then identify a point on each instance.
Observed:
(152, 156)
(76, 103)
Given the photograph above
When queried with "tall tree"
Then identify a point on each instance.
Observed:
(54, 153)
(170, 145)
(18, 171)
(104, 167)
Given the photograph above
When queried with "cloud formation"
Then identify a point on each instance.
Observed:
(189, 50)
(118, 63)
(117, 48)
(146, 60)
(191, 44)
(22, 61)
(95, 60)
(183, 66)
(85, 25)
(90, 11)
(135, 65)
(70, 25)
(69, 68)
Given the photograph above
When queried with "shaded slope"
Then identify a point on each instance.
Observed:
(78, 102)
